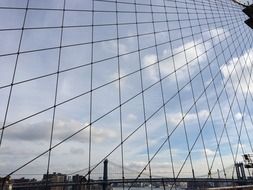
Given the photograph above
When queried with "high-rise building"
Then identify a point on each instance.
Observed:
(56, 181)
(78, 179)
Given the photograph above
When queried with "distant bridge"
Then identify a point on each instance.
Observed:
(128, 183)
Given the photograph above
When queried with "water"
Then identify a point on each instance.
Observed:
(148, 188)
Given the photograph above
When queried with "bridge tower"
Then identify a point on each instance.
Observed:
(105, 174)
(240, 172)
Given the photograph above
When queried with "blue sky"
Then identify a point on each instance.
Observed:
(214, 54)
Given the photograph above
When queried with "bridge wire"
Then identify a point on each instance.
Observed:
(143, 90)
(55, 98)
(191, 147)
(163, 99)
(191, 86)
(167, 102)
(236, 98)
(91, 92)
(71, 45)
(69, 137)
(226, 119)
(179, 96)
(248, 95)
(213, 160)
(13, 76)
(208, 104)
(102, 10)
(235, 93)
(245, 99)
(120, 98)
(203, 84)
(142, 93)
(42, 111)
(194, 145)
(87, 43)
(156, 113)
(86, 126)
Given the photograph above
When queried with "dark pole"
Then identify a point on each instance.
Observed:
(3, 182)
(242, 171)
(238, 171)
(105, 175)
(163, 184)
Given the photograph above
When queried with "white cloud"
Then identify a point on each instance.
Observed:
(62, 129)
(175, 118)
(191, 56)
(235, 68)
(112, 46)
(151, 60)
(238, 116)
(178, 62)
(209, 152)
(181, 60)
(131, 117)
(219, 34)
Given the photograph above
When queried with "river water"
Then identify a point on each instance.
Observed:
(148, 188)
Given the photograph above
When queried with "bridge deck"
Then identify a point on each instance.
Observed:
(246, 187)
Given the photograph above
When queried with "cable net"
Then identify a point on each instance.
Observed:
(160, 88)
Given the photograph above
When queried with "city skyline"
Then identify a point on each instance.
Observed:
(168, 83)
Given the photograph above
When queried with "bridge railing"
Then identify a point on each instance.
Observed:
(142, 183)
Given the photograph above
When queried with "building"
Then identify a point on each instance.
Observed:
(78, 180)
(5, 183)
(56, 181)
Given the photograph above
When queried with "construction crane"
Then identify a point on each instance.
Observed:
(248, 160)
(243, 3)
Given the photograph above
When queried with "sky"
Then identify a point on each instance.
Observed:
(185, 88)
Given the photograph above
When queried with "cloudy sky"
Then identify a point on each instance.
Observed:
(179, 84)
